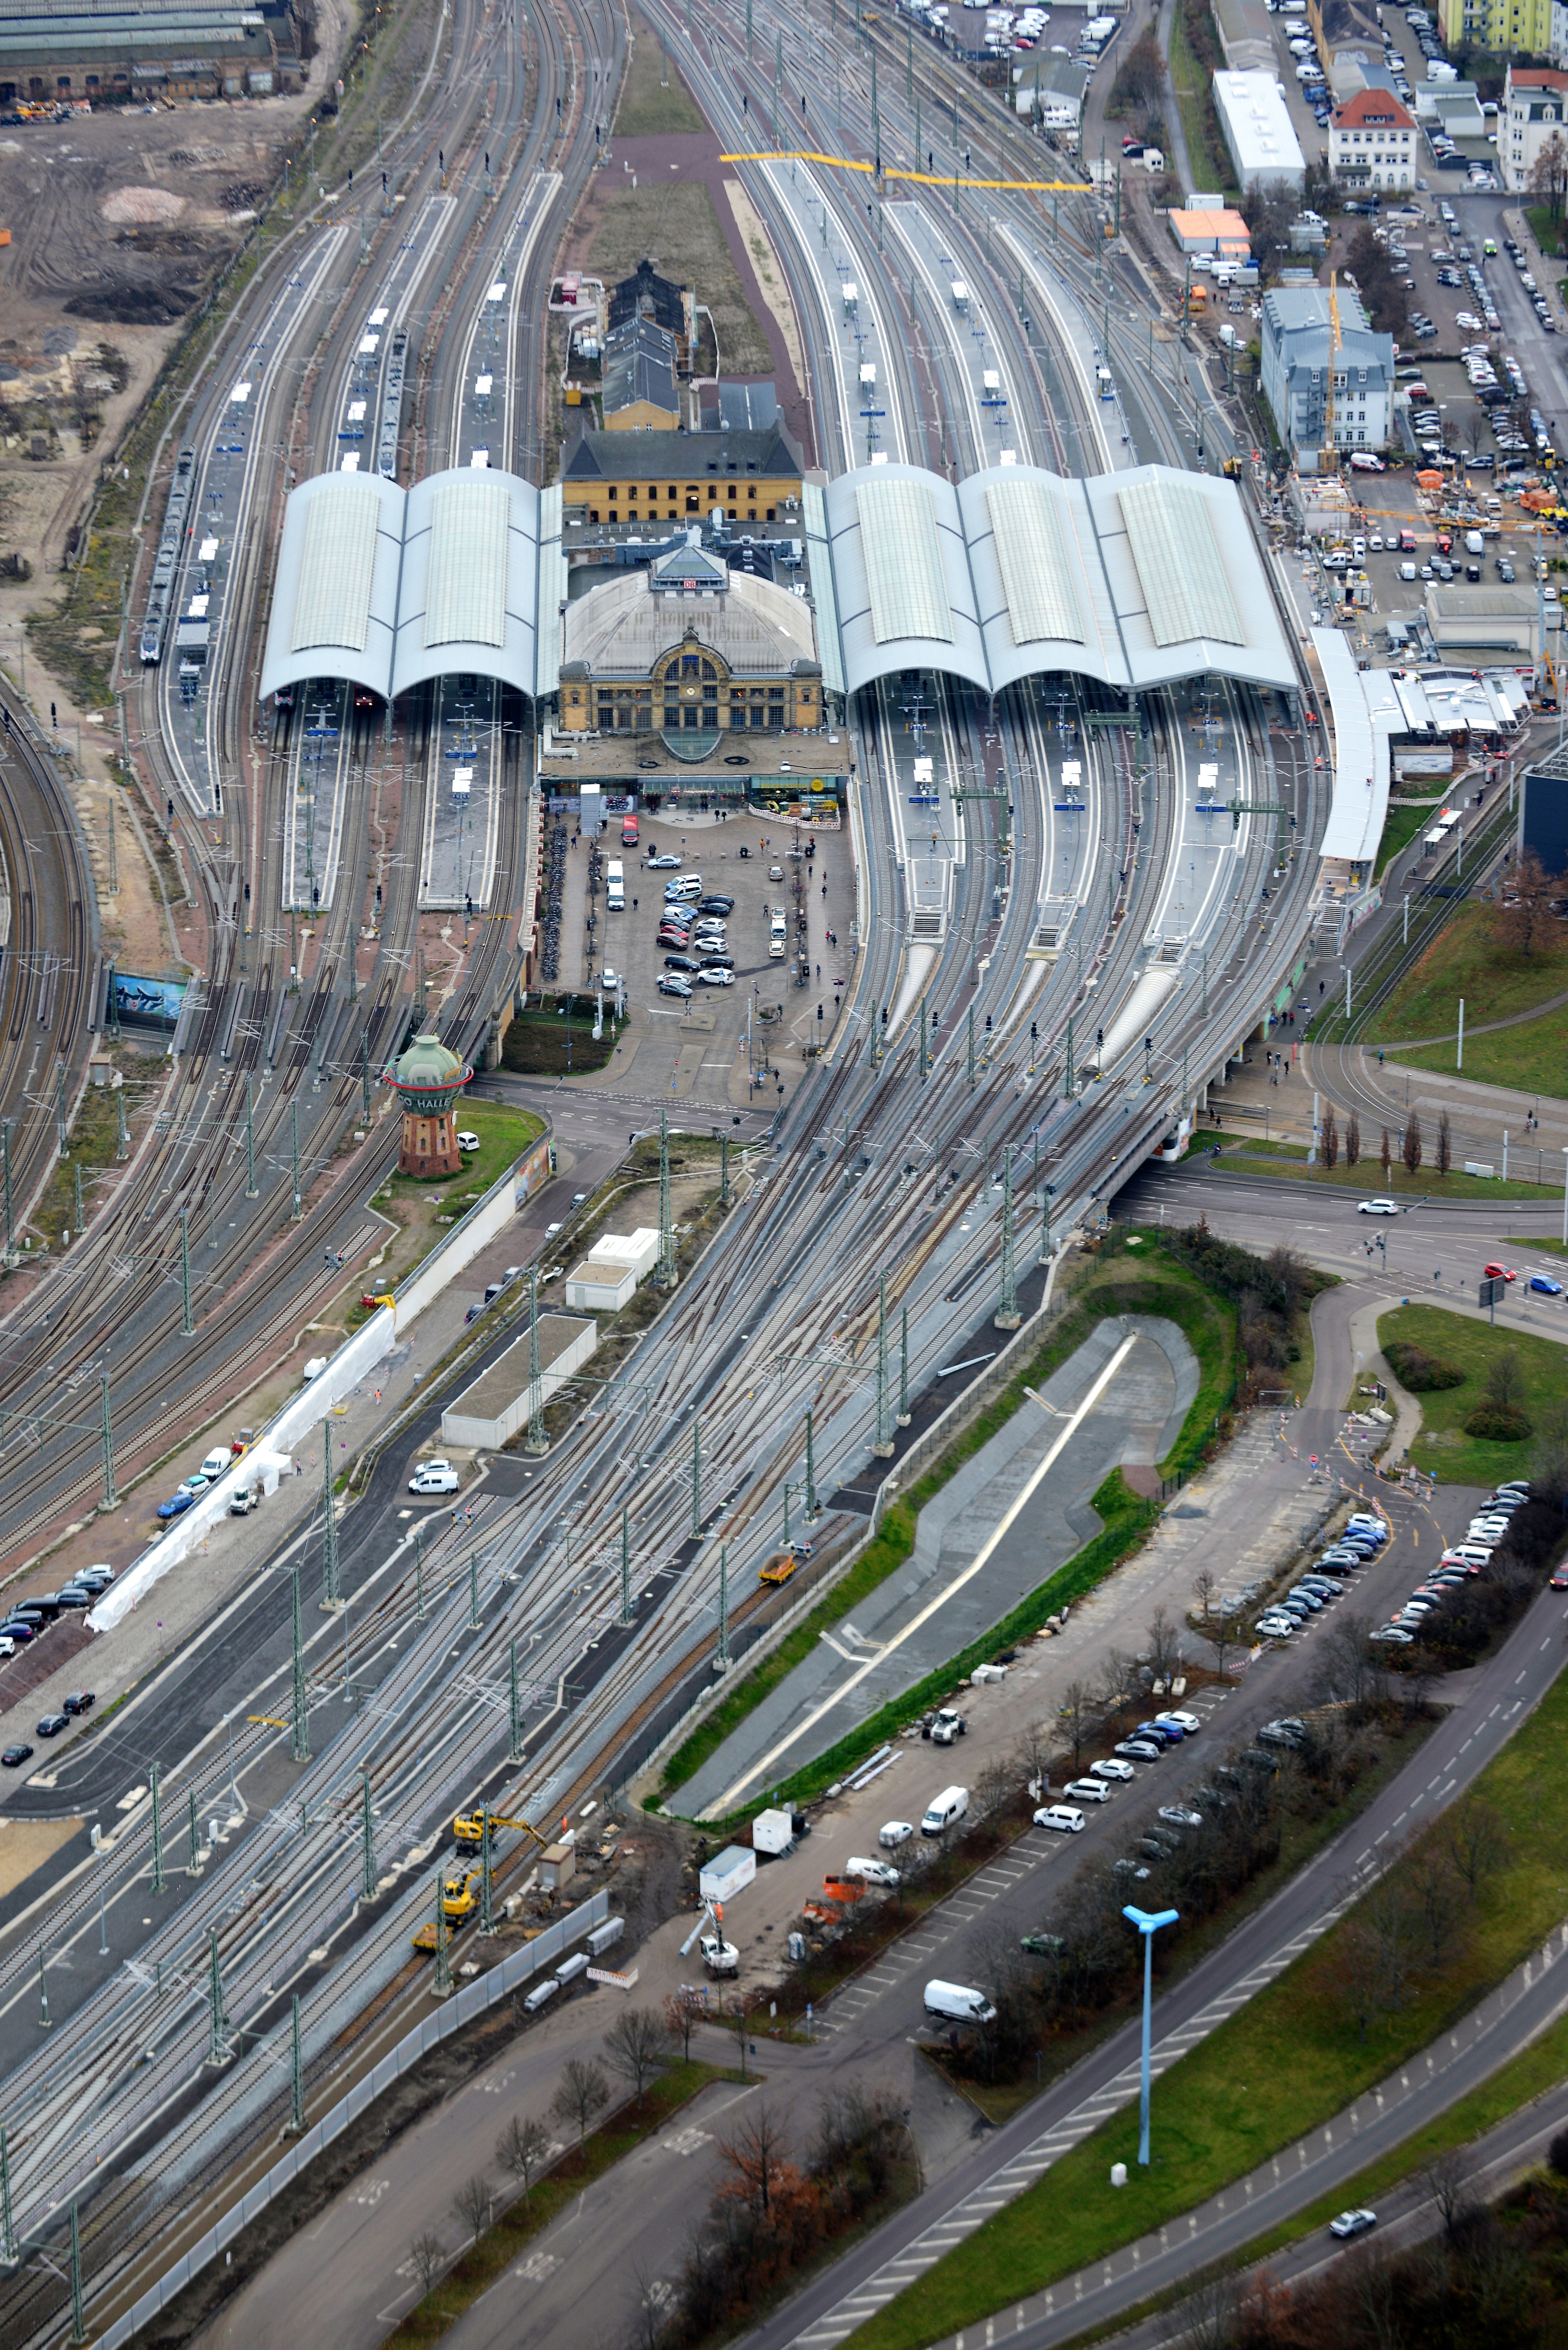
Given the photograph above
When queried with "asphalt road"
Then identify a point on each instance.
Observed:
(1487, 1707)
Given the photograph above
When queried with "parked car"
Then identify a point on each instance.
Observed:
(14, 1756)
(1120, 1772)
(176, 1504)
(79, 1701)
(433, 1479)
(893, 1832)
(1061, 1817)
(53, 1723)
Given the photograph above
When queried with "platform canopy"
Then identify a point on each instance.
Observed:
(1137, 580)
(385, 588)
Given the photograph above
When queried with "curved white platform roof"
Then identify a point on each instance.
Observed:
(1137, 580)
(469, 598)
(335, 599)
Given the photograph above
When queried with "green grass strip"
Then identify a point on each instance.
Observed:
(1285, 2063)
(1124, 1283)
(1443, 1447)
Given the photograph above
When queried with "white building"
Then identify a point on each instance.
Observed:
(1372, 142)
(1534, 106)
(1297, 353)
(1256, 124)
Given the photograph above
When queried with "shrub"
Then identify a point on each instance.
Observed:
(1503, 1427)
(1419, 1371)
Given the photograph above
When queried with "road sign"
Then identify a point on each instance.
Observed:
(1492, 1287)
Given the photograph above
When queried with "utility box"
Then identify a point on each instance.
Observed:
(728, 1872)
(557, 1866)
(773, 1834)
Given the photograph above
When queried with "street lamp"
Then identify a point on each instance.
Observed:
(1149, 1922)
(1565, 1195)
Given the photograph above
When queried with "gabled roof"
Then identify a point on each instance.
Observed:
(1376, 108)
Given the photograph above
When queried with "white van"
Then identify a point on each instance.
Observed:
(957, 2003)
(946, 1809)
(615, 886)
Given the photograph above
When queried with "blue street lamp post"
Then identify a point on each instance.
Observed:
(1149, 1922)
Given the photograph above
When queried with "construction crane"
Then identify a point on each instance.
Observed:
(1334, 347)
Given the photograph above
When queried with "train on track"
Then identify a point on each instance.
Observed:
(155, 620)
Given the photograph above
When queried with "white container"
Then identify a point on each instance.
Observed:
(728, 1872)
(600, 1940)
(772, 1833)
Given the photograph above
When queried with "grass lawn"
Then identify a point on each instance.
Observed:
(1256, 1157)
(1287, 2062)
(653, 98)
(1400, 827)
(504, 1135)
(1122, 1283)
(1533, 1056)
(1546, 231)
(1466, 959)
(556, 1035)
(1442, 1445)
(676, 219)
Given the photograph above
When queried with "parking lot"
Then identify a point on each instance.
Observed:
(744, 1039)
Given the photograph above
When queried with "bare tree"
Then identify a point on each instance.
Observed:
(1447, 2180)
(1328, 1138)
(1385, 1155)
(1351, 1139)
(427, 2258)
(1438, 1893)
(1078, 1713)
(651, 2300)
(1222, 1633)
(581, 2097)
(636, 2043)
(1032, 1758)
(1523, 917)
(1410, 1145)
(993, 1789)
(1205, 1584)
(1444, 1144)
(1548, 178)
(1163, 1637)
(1116, 1686)
(757, 2156)
(524, 2148)
(471, 2205)
(1207, 2321)
(1476, 1839)
(683, 2011)
(1505, 1390)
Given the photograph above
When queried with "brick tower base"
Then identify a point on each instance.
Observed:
(428, 1144)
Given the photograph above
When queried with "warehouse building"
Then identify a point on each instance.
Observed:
(1256, 124)
(162, 49)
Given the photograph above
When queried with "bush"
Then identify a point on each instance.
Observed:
(1557, 2154)
(1419, 1371)
(1503, 1427)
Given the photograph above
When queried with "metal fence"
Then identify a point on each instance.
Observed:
(486, 1992)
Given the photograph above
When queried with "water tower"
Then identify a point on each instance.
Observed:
(429, 1079)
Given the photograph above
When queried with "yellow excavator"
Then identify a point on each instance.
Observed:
(459, 1901)
(467, 1829)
